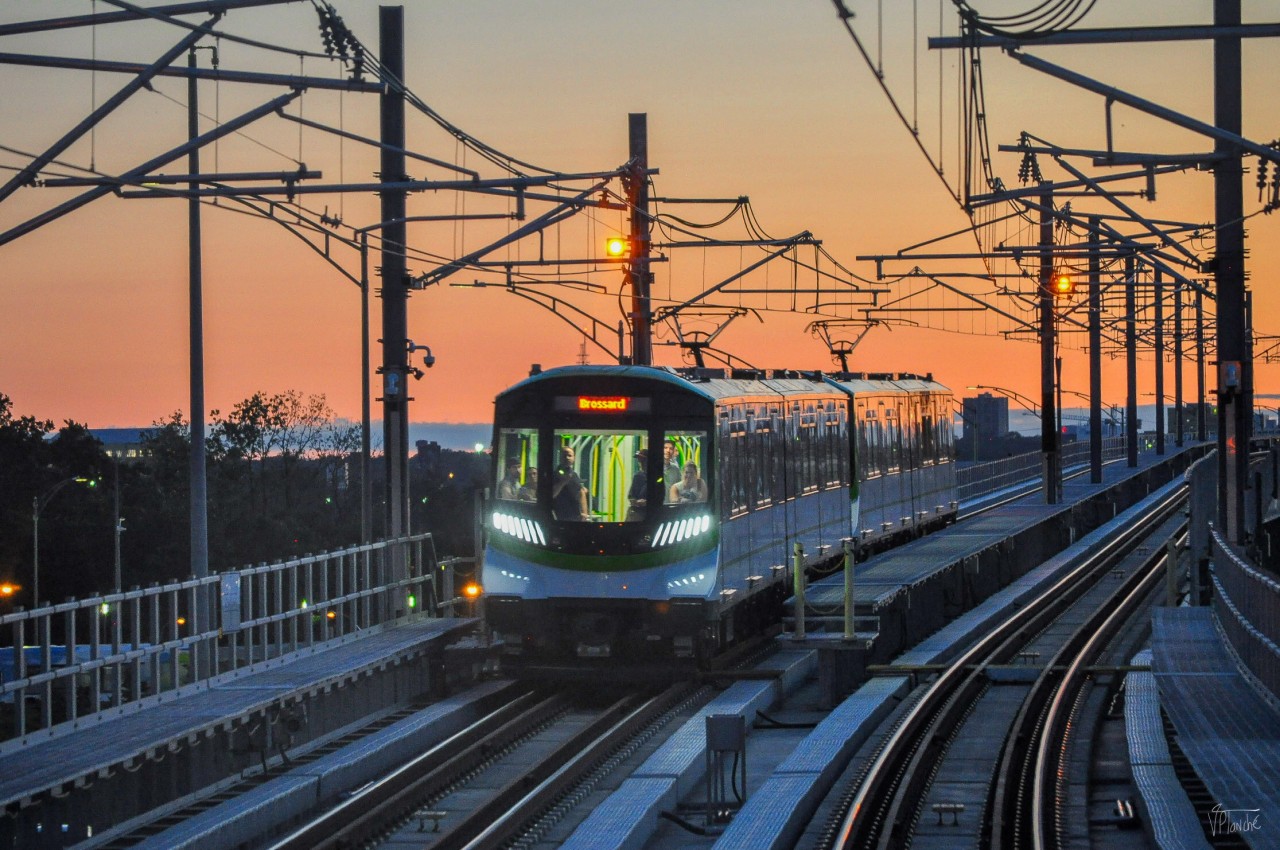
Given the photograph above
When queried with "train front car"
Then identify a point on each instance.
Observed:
(603, 532)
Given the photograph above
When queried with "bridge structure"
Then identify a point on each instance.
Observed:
(114, 708)
(118, 705)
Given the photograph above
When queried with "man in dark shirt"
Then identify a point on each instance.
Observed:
(637, 496)
(568, 493)
(509, 486)
(671, 472)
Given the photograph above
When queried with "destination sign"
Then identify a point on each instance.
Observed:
(603, 404)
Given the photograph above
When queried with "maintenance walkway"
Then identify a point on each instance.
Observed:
(111, 768)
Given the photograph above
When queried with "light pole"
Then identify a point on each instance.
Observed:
(1023, 401)
(1115, 413)
(119, 525)
(38, 505)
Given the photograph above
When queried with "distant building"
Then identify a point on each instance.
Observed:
(986, 417)
(1190, 414)
(125, 445)
(986, 434)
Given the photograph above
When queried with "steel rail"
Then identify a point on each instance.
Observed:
(499, 808)
(1009, 810)
(1057, 720)
(922, 729)
(366, 812)
(505, 817)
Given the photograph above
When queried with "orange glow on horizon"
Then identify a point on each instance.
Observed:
(97, 300)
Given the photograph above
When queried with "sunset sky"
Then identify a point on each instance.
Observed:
(744, 97)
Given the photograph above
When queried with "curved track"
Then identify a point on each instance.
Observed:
(887, 805)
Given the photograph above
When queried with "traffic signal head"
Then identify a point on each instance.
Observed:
(1063, 285)
(616, 246)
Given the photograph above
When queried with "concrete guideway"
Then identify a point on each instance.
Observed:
(776, 814)
(165, 750)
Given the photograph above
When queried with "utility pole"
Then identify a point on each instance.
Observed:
(637, 186)
(1235, 395)
(395, 289)
(199, 485)
(202, 613)
(1202, 425)
(1131, 360)
(1178, 403)
(119, 527)
(366, 475)
(1158, 344)
(1095, 352)
(1049, 433)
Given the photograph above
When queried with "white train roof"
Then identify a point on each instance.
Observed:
(715, 384)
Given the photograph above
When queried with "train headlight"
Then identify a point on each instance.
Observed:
(682, 529)
(686, 581)
(528, 530)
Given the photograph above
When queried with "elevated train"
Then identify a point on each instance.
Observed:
(641, 513)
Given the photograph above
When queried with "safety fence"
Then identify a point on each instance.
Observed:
(64, 663)
(1246, 603)
(981, 479)
(1244, 595)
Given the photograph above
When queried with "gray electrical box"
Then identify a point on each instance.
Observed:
(726, 733)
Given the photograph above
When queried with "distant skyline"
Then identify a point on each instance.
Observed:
(459, 436)
(744, 97)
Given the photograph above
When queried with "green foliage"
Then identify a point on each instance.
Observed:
(283, 477)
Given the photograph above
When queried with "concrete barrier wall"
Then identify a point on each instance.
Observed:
(955, 588)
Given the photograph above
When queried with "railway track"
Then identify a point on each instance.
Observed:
(493, 781)
(149, 828)
(998, 690)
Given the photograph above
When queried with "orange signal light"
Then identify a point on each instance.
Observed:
(616, 246)
(1063, 284)
(472, 590)
(8, 589)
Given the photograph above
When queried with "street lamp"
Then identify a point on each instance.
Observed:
(1022, 400)
(119, 524)
(38, 504)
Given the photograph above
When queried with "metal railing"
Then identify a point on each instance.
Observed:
(993, 476)
(85, 659)
(1246, 603)
(1245, 599)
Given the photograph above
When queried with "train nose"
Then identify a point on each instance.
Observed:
(593, 632)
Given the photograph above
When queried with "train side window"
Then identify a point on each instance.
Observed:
(929, 451)
(893, 438)
(517, 469)
(686, 465)
(946, 430)
(776, 453)
(607, 464)
(837, 439)
(869, 443)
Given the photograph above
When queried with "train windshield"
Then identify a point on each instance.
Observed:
(599, 475)
(517, 465)
(684, 467)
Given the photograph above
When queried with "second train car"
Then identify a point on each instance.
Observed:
(641, 513)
